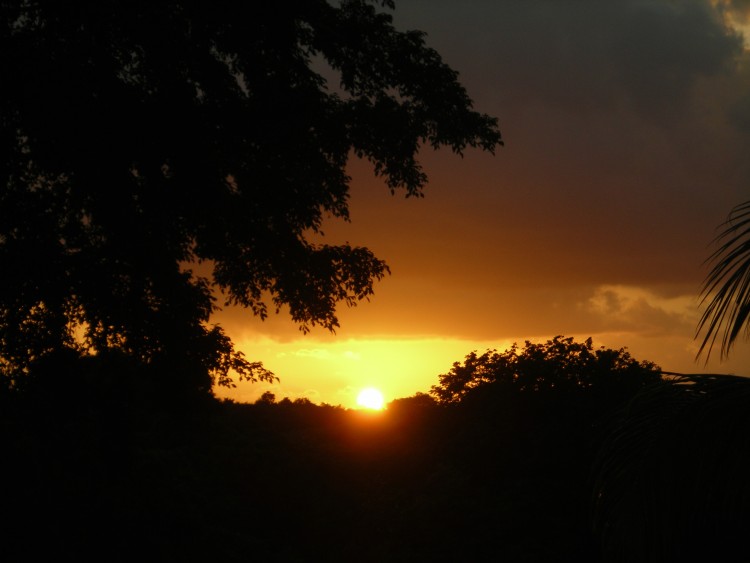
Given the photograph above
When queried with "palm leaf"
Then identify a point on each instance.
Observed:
(726, 290)
(670, 480)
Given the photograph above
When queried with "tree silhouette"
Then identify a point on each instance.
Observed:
(727, 287)
(140, 138)
(560, 365)
(267, 398)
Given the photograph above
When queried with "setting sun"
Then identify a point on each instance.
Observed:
(370, 398)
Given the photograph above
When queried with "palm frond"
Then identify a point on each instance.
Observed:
(726, 290)
(670, 480)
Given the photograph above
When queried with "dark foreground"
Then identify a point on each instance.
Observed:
(107, 481)
(101, 475)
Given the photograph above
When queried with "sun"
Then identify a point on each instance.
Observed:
(370, 398)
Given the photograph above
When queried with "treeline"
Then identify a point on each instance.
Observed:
(502, 461)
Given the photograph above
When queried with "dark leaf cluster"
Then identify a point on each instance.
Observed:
(142, 142)
(676, 460)
(559, 366)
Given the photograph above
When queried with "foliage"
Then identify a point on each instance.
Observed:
(726, 289)
(288, 481)
(267, 398)
(140, 139)
(676, 462)
(560, 365)
(416, 402)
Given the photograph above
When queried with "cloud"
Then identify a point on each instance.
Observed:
(322, 354)
(584, 54)
(314, 353)
(638, 310)
(739, 10)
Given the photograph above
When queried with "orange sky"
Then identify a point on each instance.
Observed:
(627, 131)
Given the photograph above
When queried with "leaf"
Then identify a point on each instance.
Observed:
(726, 290)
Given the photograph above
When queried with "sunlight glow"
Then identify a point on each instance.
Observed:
(370, 398)
(335, 371)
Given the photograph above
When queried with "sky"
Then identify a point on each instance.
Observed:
(627, 143)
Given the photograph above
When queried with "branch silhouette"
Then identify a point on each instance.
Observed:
(141, 138)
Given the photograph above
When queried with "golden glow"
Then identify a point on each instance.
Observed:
(370, 398)
(336, 370)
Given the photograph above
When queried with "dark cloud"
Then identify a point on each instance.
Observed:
(625, 127)
(738, 9)
(582, 54)
(658, 49)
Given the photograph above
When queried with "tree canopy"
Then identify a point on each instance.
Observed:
(560, 365)
(140, 138)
